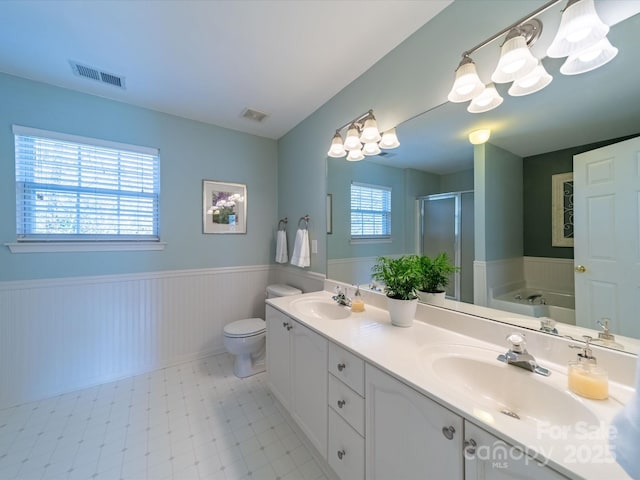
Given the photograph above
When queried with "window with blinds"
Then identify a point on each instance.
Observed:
(71, 188)
(370, 211)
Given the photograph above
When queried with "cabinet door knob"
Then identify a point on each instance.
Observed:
(448, 432)
(580, 269)
(470, 447)
(341, 403)
(341, 366)
(289, 326)
(341, 453)
(285, 324)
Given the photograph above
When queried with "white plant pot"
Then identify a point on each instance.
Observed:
(432, 298)
(402, 312)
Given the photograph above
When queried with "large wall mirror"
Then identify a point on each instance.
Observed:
(510, 260)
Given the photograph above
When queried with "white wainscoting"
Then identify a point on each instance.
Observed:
(493, 274)
(64, 334)
(552, 274)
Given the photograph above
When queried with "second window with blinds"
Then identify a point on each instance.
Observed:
(370, 212)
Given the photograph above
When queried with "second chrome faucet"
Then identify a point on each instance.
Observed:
(518, 356)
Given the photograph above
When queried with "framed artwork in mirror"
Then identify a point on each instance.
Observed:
(562, 210)
(224, 207)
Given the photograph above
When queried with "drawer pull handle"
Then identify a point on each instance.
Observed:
(341, 453)
(448, 432)
(341, 403)
(470, 447)
(341, 367)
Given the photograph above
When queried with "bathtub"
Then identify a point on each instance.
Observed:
(537, 303)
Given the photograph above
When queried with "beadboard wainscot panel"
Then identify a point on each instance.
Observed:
(64, 334)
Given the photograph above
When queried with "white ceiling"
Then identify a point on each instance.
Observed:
(209, 60)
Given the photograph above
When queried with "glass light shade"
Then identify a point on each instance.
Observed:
(478, 137)
(515, 62)
(337, 148)
(352, 142)
(580, 28)
(590, 59)
(487, 100)
(534, 82)
(389, 140)
(355, 155)
(371, 148)
(370, 131)
(467, 83)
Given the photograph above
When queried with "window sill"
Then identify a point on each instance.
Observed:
(57, 247)
(361, 241)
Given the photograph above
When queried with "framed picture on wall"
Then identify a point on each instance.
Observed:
(562, 210)
(224, 207)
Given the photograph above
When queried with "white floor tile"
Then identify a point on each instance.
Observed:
(194, 421)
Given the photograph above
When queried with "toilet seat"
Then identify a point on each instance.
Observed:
(247, 327)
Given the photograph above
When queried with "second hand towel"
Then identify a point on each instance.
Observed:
(301, 257)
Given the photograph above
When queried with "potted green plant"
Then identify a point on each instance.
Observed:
(401, 277)
(435, 274)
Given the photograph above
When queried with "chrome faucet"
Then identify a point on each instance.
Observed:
(341, 298)
(518, 355)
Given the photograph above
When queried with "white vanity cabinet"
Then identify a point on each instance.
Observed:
(408, 436)
(346, 414)
(297, 374)
(486, 457)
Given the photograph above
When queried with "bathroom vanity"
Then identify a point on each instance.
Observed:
(380, 402)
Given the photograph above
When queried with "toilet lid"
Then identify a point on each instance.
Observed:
(245, 328)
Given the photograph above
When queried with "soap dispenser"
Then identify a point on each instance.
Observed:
(586, 378)
(357, 304)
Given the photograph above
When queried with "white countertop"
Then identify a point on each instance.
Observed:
(404, 352)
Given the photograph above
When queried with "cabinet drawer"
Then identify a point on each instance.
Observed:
(347, 367)
(346, 449)
(347, 403)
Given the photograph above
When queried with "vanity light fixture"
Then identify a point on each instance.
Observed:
(581, 37)
(478, 137)
(487, 100)
(362, 139)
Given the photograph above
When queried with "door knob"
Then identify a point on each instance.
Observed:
(580, 269)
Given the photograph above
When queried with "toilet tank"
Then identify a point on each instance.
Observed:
(281, 290)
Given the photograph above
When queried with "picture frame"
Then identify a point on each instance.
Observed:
(224, 207)
(562, 210)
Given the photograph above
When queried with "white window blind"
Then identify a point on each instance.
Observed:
(370, 211)
(72, 188)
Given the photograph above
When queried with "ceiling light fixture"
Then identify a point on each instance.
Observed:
(581, 37)
(362, 139)
(478, 137)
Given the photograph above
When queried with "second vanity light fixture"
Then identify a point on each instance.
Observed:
(362, 139)
(582, 37)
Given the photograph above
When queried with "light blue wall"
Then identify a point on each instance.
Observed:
(412, 78)
(190, 152)
(498, 203)
(457, 182)
(339, 185)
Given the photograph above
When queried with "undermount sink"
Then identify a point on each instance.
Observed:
(500, 388)
(323, 309)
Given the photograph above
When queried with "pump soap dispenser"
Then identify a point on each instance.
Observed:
(585, 377)
(357, 304)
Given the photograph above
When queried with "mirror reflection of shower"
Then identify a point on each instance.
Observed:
(446, 225)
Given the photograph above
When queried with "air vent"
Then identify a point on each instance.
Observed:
(97, 75)
(254, 115)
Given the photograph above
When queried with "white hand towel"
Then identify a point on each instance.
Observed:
(282, 255)
(625, 437)
(301, 257)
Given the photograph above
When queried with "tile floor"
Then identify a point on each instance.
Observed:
(192, 421)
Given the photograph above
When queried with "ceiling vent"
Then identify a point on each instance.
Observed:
(98, 75)
(254, 115)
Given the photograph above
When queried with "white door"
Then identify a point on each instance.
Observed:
(607, 236)
(408, 436)
(309, 384)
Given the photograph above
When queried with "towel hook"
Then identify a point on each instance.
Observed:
(282, 224)
(304, 219)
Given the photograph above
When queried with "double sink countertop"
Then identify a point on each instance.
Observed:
(460, 371)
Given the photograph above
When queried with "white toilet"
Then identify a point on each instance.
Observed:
(246, 338)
